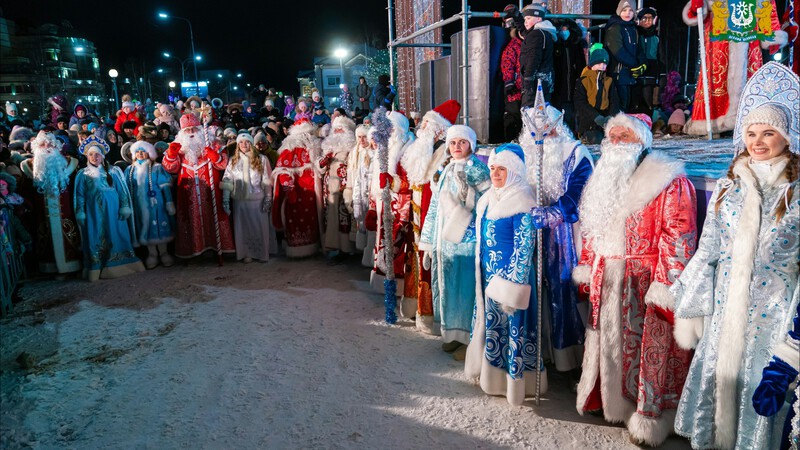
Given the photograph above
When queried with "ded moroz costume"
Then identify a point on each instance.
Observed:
(332, 167)
(638, 215)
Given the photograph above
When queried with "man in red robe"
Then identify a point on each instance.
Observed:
(298, 200)
(421, 160)
(202, 222)
(638, 221)
(58, 241)
(732, 56)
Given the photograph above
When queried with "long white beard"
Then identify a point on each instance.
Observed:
(192, 146)
(49, 172)
(552, 168)
(607, 186)
(338, 142)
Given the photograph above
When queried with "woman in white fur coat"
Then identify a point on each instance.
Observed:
(448, 237)
(737, 296)
(502, 350)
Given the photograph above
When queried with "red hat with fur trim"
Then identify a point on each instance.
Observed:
(189, 120)
(449, 110)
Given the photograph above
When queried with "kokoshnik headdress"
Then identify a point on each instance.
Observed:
(775, 85)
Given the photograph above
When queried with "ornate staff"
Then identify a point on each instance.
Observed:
(704, 71)
(539, 127)
(220, 261)
(383, 129)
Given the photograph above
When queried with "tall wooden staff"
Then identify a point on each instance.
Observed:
(539, 127)
(383, 129)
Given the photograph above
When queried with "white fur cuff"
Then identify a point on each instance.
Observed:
(688, 332)
(80, 217)
(508, 293)
(659, 295)
(425, 247)
(780, 38)
(582, 274)
(789, 352)
(226, 185)
(125, 212)
(653, 431)
(456, 225)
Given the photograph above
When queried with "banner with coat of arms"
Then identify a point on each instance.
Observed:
(742, 20)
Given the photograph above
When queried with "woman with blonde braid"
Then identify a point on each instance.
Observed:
(738, 295)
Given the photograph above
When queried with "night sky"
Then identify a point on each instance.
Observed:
(268, 41)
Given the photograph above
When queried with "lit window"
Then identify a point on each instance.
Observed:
(333, 81)
(95, 63)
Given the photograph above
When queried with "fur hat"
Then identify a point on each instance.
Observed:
(446, 114)
(344, 122)
(217, 103)
(189, 120)
(93, 142)
(462, 132)
(769, 114)
(534, 10)
(624, 4)
(19, 136)
(234, 107)
(260, 137)
(269, 102)
(245, 137)
(10, 106)
(148, 130)
(142, 146)
(511, 156)
(129, 124)
(128, 105)
(161, 147)
(640, 124)
(191, 99)
(362, 130)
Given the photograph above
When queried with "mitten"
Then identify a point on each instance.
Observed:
(124, 213)
(546, 217)
(770, 394)
(172, 150)
(601, 121)
(371, 220)
(226, 206)
(170, 208)
(212, 156)
(266, 204)
(426, 261)
(385, 179)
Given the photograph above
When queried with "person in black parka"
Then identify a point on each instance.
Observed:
(626, 60)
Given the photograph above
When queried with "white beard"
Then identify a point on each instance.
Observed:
(49, 171)
(607, 186)
(338, 142)
(552, 167)
(192, 146)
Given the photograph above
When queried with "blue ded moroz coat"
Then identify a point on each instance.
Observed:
(735, 301)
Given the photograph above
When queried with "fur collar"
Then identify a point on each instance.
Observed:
(416, 160)
(653, 175)
(512, 203)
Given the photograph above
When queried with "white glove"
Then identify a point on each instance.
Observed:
(426, 261)
(266, 204)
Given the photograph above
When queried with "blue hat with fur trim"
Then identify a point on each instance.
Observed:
(513, 148)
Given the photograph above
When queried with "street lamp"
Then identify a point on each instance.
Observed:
(114, 74)
(341, 53)
(191, 39)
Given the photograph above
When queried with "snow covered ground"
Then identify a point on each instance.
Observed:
(279, 355)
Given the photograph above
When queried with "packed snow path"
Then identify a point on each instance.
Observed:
(287, 354)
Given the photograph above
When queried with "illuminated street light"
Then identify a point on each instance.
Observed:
(114, 74)
(341, 53)
(164, 15)
(238, 75)
(172, 84)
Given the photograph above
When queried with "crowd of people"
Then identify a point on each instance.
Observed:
(659, 330)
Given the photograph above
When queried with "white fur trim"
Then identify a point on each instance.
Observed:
(691, 21)
(653, 431)
(659, 295)
(425, 324)
(496, 381)
(513, 203)
(508, 293)
(780, 38)
(433, 116)
(603, 350)
(582, 274)
(650, 179)
(455, 226)
(640, 128)
(226, 185)
(462, 132)
(687, 332)
(439, 156)
(789, 353)
(344, 122)
(425, 247)
(734, 317)
(80, 217)
(125, 211)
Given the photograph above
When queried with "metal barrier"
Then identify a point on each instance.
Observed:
(12, 267)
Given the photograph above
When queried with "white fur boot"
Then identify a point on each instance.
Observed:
(166, 258)
(152, 257)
